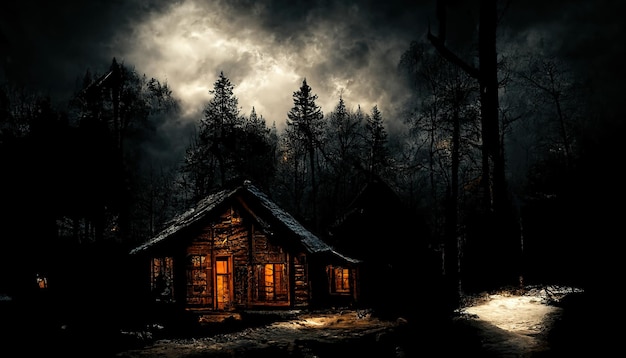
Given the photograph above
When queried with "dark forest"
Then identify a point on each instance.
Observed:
(501, 170)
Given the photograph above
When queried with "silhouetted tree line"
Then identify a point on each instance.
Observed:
(488, 172)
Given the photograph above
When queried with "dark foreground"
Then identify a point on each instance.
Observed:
(577, 330)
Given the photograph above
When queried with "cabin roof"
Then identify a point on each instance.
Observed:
(309, 241)
(374, 200)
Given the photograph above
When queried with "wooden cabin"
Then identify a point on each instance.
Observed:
(237, 250)
(397, 265)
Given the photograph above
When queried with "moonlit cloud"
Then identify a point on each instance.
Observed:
(267, 47)
(188, 43)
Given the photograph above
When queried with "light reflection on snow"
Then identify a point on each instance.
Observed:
(527, 313)
(313, 322)
(303, 323)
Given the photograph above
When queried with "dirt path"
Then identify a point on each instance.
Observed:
(309, 335)
(496, 326)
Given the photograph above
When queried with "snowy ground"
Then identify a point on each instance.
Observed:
(303, 335)
(504, 325)
(513, 325)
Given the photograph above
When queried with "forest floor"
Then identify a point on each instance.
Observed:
(538, 323)
(504, 324)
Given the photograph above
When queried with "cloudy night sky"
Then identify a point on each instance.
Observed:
(348, 49)
(266, 48)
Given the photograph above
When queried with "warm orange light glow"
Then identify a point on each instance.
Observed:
(269, 281)
(339, 279)
(222, 270)
(342, 279)
(42, 282)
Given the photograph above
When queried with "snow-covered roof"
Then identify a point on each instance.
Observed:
(310, 241)
(187, 218)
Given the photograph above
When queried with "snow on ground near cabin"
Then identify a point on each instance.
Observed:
(506, 325)
(526, 313)
(299, 336)
(514, 325)
(521, 314)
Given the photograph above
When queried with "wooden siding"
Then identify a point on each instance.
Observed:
(249, 250)
(264, 252)
(230, 240)
(301, 291)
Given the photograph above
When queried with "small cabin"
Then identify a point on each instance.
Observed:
(392, 243)
(238, 250)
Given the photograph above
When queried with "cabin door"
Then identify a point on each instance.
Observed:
(223, 282)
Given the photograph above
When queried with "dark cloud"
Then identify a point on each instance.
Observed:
(586, 35)
(50, 43)
(267, 47)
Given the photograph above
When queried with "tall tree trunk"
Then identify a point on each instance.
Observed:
(297, 190)
(493, 243)
(488, 81)
(313, 187)
(500, 235)
(451, 249)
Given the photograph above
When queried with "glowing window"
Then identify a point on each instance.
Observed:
(339, 279)
(272, 282)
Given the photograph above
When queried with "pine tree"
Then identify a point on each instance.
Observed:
(343, 154)
(258, 151)
(211, 161)
(377, 142)
(115, 115)
(305, 119)
(218, 129)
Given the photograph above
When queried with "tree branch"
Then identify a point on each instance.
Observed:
(450, 56)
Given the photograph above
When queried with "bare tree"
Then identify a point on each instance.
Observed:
(116, 114)
(498, 236)
(445, 122)
(554, 94)
(342, 156)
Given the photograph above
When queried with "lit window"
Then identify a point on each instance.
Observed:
(272, 282)
(42, 281)
(339, 279)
